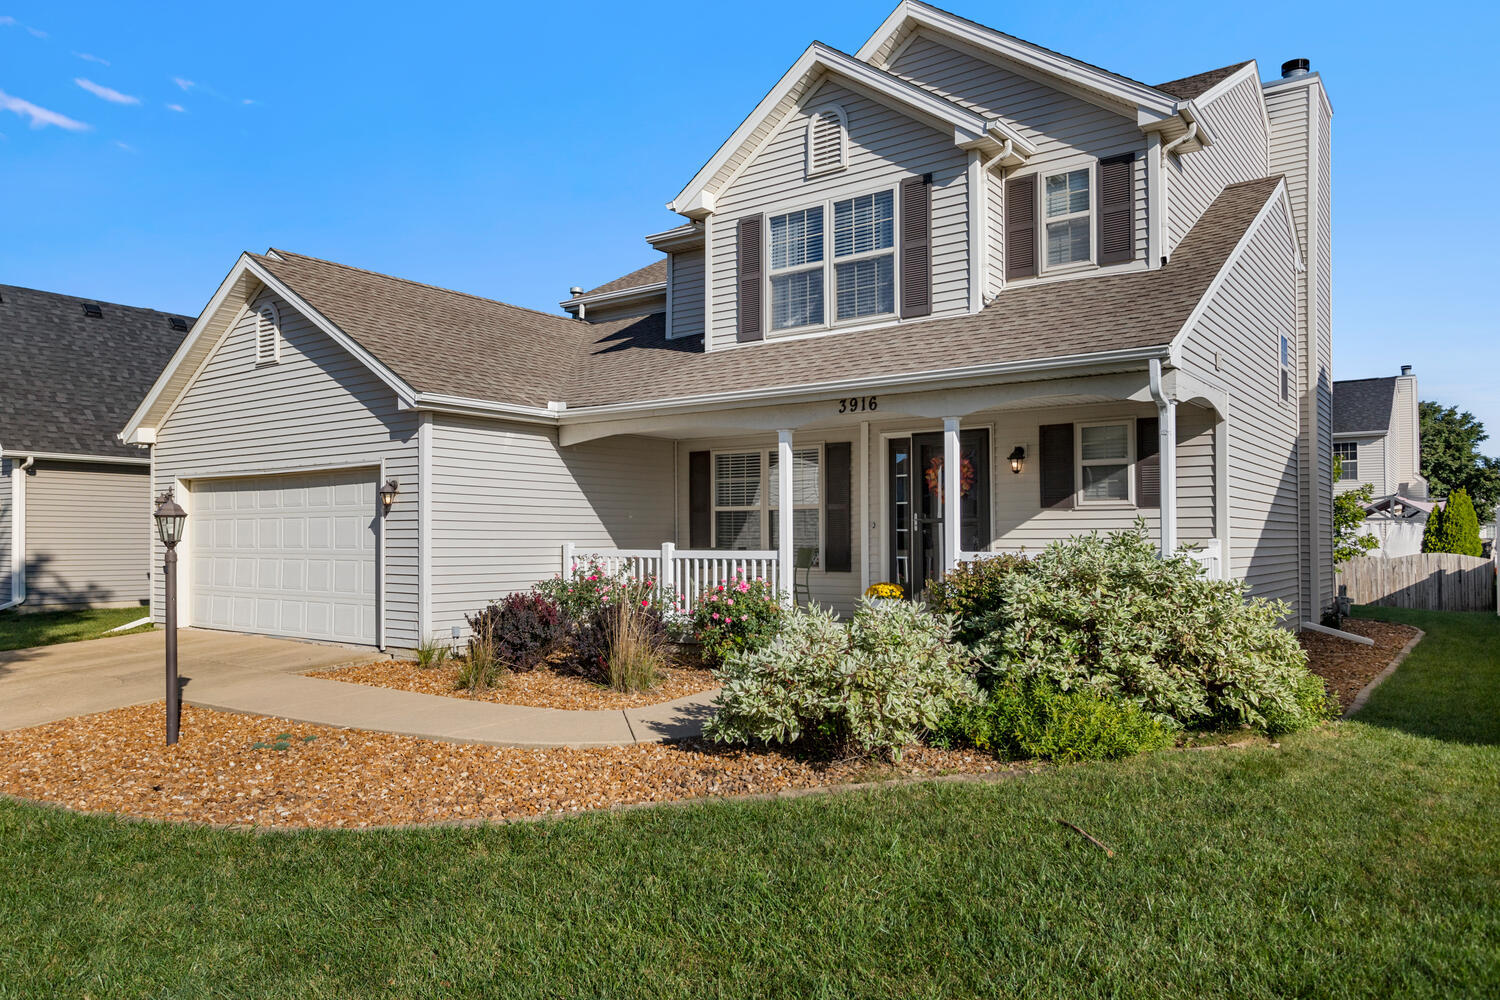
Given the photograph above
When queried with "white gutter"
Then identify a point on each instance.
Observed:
(18, 531)
(618, 295)
(1166, 410)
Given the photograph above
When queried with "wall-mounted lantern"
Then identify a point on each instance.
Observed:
(388, 495)
(1017, 459)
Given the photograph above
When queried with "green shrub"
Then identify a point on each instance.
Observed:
(521, 629)
(479, 670)
(1105, 613)
(875, 685)
(1314, 704)
(1039, 721)
(738, 614)
(590, 586)
(971, 593)
(433, 652)
(1454, 527)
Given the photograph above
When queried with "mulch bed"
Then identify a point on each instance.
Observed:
(1346, 667)
(306, 775)
(539, 688)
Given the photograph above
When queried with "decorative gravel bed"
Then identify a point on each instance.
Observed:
(253, 770)
(538, 688)
(1346, 667)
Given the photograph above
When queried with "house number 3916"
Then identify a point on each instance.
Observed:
(857, 404)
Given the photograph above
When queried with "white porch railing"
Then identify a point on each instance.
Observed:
(1208, 553)
(682, 573)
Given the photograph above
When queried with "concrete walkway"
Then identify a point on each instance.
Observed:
(257, 675)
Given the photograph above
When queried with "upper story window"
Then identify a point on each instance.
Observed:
(1286, 368)
(1347, 458)
(1068, 210)
(267, 335)
(827, 140)
(862, 282)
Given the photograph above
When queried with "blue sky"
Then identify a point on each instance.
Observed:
(513, 153)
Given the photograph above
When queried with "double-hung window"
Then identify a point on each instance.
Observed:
(797, 269)
(1347, 455)
(864, 241)
(1104, 460)
(738, 500)
(745, 513)
(1068, 209)
(806, 499)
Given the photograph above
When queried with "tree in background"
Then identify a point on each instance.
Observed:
(1349, 541)
(1451, 460)
(1453, 528)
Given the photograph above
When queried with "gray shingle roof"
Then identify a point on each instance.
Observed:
(447, 342)
(1363, 404)
(652, 274)
(1190, 87)
(72, 381)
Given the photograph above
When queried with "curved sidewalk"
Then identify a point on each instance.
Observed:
(455, 720)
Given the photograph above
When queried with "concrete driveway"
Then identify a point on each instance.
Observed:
(78, 678)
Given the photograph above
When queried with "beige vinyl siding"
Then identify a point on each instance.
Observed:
(604, 313)
(1406, 435)
(994, 234)
(86, 541)
(686, 292)
(1194, 180)
(1241, 326)
(318, 408)
(885, 145)
(1322, 265)
(505, 497)
(1373, 466)
(6, 528)
(1060, 125)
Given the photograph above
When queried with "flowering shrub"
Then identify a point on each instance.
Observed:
(971, 592)
(738, 615)
(520, 630)
(875, 685)
(1105, 613)
(590, 586)
(885, 591)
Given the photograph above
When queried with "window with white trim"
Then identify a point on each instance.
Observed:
(1286, 368)
(1067, 211)
(1104, 463)
(864, 241)
(1347, 456)
(267, 335)
(797, 269)
(745, 512)
(827, 140)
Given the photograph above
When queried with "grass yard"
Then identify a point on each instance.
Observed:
(1362, 859)
(23, 631)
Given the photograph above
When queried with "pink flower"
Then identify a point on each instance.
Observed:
(743, 586)
(716, 616)
(730, 602)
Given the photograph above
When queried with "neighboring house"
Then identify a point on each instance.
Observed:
(976, 294)
(74, 501)
(1377, 440)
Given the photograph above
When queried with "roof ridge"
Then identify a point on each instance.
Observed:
(1227, 70)
(419, 284)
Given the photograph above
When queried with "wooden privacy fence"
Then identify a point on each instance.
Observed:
(1429, 581)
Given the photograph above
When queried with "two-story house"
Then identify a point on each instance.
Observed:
(1377, 441)
(974, 294)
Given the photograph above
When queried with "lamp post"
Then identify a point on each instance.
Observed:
(170, 521)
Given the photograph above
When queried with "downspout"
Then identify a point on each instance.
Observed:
(1166, 411)
(1189, 135)
(18, 533)
(981, 224)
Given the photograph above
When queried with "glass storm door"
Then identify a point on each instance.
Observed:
(915, 471)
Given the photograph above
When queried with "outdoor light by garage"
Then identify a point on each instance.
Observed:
(1017, 459)
(388, 494)
(171, 520)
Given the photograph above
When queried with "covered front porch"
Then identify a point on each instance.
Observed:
(899, 486)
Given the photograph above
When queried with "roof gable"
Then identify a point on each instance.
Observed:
(1194, 87)
(1365, 404)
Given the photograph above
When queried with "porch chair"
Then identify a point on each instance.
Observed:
(805, 559)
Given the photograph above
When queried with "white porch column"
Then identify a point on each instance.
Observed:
(1167, 447)
(785, 567)
(951, 479)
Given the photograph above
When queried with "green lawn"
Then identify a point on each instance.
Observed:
(22, 631)
(1359, 860)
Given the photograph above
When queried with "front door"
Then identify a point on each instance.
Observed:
(915, 488)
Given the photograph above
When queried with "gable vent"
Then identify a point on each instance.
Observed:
(92, 310)
(827, 140)
(178, 323)
(267, 335)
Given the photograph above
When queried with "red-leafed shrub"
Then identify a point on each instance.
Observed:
(520, 629)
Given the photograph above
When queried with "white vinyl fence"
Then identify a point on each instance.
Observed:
(1207, 554)
(683, 573)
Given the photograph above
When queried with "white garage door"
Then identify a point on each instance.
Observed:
(286, 555)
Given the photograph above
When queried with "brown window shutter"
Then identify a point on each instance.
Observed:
(1056, 442)
(700, 506)
(916, 246)
(1117, 209)
(751, 244)
(838, 535)
(1147, 462)
(1020, 227)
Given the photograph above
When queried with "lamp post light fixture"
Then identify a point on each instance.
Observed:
(388, 495)
(171, 519)
(1017, 458)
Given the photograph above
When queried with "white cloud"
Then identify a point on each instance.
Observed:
(37, 32)
(89, 57)
(107, 93)
(247, 101)
(177, 107)
(183, 84)
(7, 21)
(40, 117)
(125, 146)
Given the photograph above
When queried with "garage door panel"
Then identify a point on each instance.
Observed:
(287, 555)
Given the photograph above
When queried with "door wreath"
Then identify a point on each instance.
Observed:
(934, 476)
